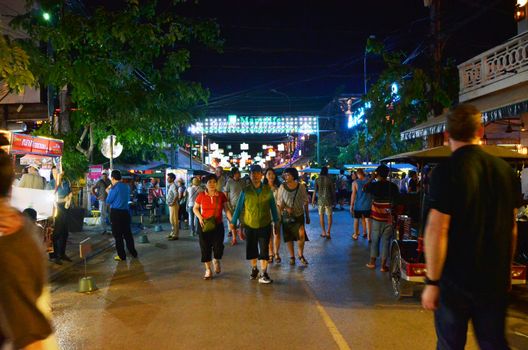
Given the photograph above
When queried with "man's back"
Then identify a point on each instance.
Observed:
(326, 190)
(33, 181)
(480, 193)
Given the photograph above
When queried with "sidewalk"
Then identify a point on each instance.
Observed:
(100, 242)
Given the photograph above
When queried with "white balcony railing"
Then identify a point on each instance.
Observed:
(495, 69)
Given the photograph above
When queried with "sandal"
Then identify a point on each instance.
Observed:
(292, 260)
(355, 237)
(278, 259)
(384, 269)
(208, 275)
(328, 237)
(371, 266)
(270, 259)
(303, 260)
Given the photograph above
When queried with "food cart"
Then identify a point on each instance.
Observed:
(407, 262)
(27, 150)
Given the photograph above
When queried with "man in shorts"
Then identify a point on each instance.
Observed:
(325, 192)
(360, 205)
(260, 212)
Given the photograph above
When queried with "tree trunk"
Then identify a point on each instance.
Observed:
(65, 109)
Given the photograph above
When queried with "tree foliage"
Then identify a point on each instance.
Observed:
(121, 64)
(14, 66)
(392, 112)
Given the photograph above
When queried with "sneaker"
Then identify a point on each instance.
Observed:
(265, 279)
(118, 258)
(216, 264)
(254, 273)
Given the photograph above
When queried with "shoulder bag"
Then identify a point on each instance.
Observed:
(287, 218)
(210, 223)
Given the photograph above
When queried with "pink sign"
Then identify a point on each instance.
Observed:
(94, 172)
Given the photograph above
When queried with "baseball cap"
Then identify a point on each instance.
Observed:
(255, 168)
(34, 166)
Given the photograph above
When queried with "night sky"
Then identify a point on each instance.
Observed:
(313, 50)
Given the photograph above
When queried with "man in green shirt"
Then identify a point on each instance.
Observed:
(259, 207)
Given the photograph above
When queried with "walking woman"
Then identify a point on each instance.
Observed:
(60, 233)
(208, 209)
(293, 204)
(271, 179)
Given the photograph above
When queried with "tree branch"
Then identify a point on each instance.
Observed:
(78, 147)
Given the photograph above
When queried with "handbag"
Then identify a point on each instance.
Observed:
(210, 223)
(287, 218)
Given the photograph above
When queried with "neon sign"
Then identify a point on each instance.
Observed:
(256, 125)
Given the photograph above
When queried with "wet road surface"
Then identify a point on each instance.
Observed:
(160, 301)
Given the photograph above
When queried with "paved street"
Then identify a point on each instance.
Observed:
(160, 301)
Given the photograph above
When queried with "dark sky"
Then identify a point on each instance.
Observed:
(310, 50)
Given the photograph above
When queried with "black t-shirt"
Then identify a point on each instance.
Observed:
(480, 193)
(383, 191)
(22, 279)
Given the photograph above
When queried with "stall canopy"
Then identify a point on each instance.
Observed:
(435, 154)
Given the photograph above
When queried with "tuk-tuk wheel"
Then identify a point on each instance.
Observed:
(395, 271)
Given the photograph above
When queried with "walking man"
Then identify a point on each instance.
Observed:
(99, 191)
(174, 207)
(470, 238)
(258, 205)
(118, 197)
(342, 188)
(325, 191)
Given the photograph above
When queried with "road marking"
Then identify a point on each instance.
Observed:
(330, 325)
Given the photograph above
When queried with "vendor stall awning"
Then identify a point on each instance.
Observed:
(489, 110)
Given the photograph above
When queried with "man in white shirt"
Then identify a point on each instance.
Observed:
(172, 202)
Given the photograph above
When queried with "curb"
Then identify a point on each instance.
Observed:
(55, 271)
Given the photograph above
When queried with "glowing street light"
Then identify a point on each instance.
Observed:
(46, 16)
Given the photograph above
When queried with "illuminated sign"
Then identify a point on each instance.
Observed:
(256, 125)
(355, 118)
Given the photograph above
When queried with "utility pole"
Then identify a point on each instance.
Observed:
(437, 48)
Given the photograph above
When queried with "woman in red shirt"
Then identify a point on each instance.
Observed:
(210, 204)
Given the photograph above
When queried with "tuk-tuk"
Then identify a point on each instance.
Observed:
(407, 262)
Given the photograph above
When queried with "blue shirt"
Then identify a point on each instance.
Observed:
(240, 205)
(119, 196)
(64, 189)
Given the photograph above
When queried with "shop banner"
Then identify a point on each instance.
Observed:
(55, 147)
(40, 146)
(21, 143)
(95, 172)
